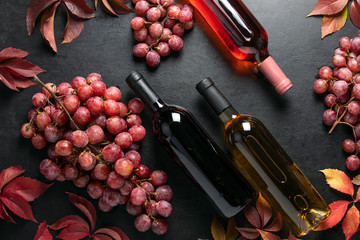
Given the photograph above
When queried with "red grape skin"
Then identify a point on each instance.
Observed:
(340, 88)
(137, 23)
(152, 59)
(349, 146)
(100, 172)
(164, 208)
(140, 35)
(142, 171)
(111, 197)
(70, 172)
(330, 99)
(153, 14)
(79, 139)
(114, 180)
(137, 132)
(82, 181)
(78, 82)
(51, 133)
(116, 125)
(320, 86)
(62, 88)
(123, 167)
(103, 206)
(42, 120)
(178, 29)
(63, 148)
(140, 50)
(82, 115)
(159, 226)
(150, 208)
(134, 210)
(98, 87)
(142, 223)
(353, 163)
(163, 192)
(148, 187)
(111, 153)
(49, 169)
(51, 87)
(27, 130)
(124, 140)
(85, 92)
(138, 196)
(344, 43)
(95, 134)
(111, 108)
(133, 119)
(95, 189)
(176, 43)
(39, 99)
(158, 178)
(163, 49)
(135, 105)
(71, 103)
(92, 77)
(95, 105)
(325, 73)
(99, 119)
(156, 29)
(134, 157)
(86, 161)
(126, 188)
(112, 93)
(142, 7)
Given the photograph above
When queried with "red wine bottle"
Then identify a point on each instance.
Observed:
(243, 35)
(194, 150)
(267, 167)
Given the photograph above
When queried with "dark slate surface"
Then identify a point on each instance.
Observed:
(105, 46)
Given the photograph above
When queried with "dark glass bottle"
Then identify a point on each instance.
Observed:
(193, 150)
(267, 167)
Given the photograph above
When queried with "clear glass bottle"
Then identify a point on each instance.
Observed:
(267, 167)
(243, 35)
(194, 150)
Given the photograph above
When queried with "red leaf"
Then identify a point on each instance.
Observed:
(328, 7)
(35, 8)
(9, 174)
(110, 232)
(268, 236)
(355, 14)
(73, 29)
(85, 206)
(264, 210)
(12, 53)
(120, 232)
(358, 196)
(231, 232)
(249, 233)
(291, 236)
(20, 81)
(338, 180)
(73, 232)
(19, 206)
(47, 26)
(338, 210)
(4, 214)
(101, 237)
(22, 67)
(105, 5)
(252, 216)
(333, 23)
(43, 233)
(276, 224)
(69, 220)
(217, 230)
(351, 222)
(7, 79)
(119, 7)
(79, 9)
(25, 187)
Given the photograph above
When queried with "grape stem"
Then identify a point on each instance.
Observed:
(38, 81)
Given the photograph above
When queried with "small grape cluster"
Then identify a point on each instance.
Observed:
(343, 98)
(93, 141)
(162, 29)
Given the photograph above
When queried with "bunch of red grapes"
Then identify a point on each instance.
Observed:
(161, 30)
(94, 141)
(342, 85)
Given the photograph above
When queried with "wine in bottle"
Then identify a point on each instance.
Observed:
(243, 35)
(194, 150)
(267, 167)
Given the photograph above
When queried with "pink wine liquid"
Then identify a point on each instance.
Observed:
(236, 26)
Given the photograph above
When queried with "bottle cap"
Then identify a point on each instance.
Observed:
(275, 75)
(212, 95)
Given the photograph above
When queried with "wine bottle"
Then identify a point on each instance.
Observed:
(243, 35)
(194, 150)
(267, 167)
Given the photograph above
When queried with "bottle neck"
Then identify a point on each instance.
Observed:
(141, 87)
(228, 114)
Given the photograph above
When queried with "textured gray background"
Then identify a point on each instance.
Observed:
(105, 46)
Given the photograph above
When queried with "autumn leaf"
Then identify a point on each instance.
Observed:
(217, 230)
(34, 10)
(248, 233)
(231, 233)
(43, 232)
(252, 216)
(338, 210)
(75, 227)
(355, 13)
(333, 23)
(114, 7)
(264, 210)
(356, 180)
(339, 181)
(73, 29)
(328, 7)
(47, 26)
(16, 192)
(268, 236)
(351, 222)
(15, 71)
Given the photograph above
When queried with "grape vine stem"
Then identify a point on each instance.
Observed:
(38, 81)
